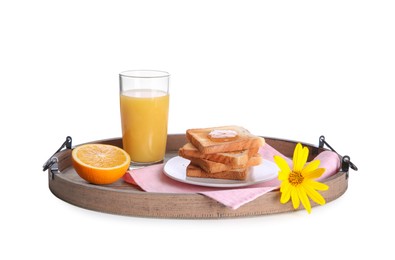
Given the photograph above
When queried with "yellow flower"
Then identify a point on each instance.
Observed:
(298, 184)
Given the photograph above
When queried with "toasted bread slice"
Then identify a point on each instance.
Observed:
(234, 159)
(206, 145)
(235, 174)
(214, 167)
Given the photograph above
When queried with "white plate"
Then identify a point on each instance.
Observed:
(175, 168)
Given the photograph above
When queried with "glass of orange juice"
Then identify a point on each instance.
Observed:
(144, 103)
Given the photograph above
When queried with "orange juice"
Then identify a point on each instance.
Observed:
(144, 115)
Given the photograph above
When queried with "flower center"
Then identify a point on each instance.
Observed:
(295, 178)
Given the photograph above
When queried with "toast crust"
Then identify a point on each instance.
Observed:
(215, 167)
(236, 158)
(244, 141)
(236, 174)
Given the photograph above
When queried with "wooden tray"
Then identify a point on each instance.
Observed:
(124, 199)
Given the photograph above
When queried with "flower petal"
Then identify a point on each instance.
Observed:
(284, 186)
(295, 198)
(314, 195)
(284, 171)
(284, 167)
(311, 166)
(316, 185)
(305, 200)
(285, 192)
(300, 157)
(314, 174)
(297, 151)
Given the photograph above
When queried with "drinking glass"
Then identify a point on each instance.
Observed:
(144, 105)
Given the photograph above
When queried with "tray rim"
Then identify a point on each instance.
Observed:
(58, 185)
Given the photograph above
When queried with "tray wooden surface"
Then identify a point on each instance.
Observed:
(125, 199)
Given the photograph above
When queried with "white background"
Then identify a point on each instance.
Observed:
(287, 69)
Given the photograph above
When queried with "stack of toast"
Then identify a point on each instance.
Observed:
(225, 152)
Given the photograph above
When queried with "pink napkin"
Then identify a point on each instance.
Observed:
(152, 179)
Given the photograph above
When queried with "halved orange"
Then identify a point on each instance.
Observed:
(100, 163)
